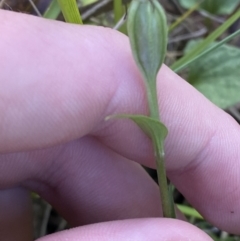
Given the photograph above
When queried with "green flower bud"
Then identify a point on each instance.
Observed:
(147, 31)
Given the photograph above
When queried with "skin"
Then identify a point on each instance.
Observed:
(58, 83)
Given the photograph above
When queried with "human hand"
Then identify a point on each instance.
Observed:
(58, 83)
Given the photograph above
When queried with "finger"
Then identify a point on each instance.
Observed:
(37, 110)
(87, 186)
(134, 230)
(85, 181)
(15, 215)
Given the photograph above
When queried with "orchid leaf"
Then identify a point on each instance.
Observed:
(217, 74)
(153, 128)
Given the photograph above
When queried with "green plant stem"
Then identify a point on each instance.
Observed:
(184, 16)
(163, 185)
(118, 14)
(165, 192)
(117, 8)
(153, 100)
(70, 11)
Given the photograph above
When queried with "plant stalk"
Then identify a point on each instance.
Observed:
(70, 11)
(164, 188)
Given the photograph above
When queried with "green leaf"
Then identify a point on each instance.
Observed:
(53, 10)
(213, 6)
(70, 11)
(217, 74)
(208, 51)
(153, 128)
(147, 31)
(189, 211)
(184, 16)
(205, 43)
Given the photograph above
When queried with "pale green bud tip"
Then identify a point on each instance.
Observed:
(147, 31)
